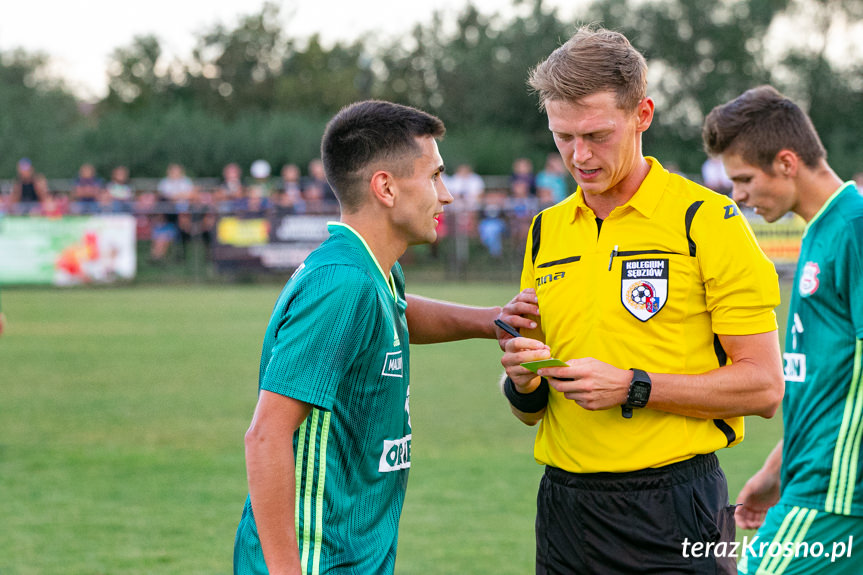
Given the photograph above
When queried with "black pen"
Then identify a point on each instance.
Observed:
(507, 328)
(611, 259)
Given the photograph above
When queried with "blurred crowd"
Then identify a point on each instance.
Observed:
(233, 194)
(176, 209)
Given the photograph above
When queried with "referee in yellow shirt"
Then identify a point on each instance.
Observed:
(654, 291)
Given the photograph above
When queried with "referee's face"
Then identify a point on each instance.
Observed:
(599, 142)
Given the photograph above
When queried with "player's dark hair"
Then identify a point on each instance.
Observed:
(757, 125)
(370, 135)
(592, 61)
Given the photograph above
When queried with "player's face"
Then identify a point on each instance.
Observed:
(600, 143)
(770, 195)
(421, 196)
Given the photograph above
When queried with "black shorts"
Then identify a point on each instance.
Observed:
(638, 522)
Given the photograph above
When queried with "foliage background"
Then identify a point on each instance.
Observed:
(252, 92)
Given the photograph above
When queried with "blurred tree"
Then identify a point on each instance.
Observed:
(323, 80)
(823, 71)
(233, 70)
(135, 80)
(475, 77)
(699, 54)
(39, 117)
(250, 91)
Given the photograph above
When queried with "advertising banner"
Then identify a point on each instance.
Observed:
(67, 251)
(267, 244)
(779, 240)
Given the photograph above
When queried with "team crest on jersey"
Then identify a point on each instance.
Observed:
(644, 287)
(809, 279)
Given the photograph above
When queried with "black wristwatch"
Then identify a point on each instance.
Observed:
(639, 392)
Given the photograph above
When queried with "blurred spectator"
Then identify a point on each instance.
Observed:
(87, 189)
(175, 186)
(54, 206)
(261, 187)
(553, 179)
(315, 203)
(175, 191)
(116, 197)
(318, 179)
(522, 171)
(118, 186)
(231, 191)
(197, 221)
(522, 207)
(143, 206)
(492, 226)
(713, 176)
(28, 189)
(254, 203)
(544, 199)
(467, 189)
(163, 233)
(290, 197)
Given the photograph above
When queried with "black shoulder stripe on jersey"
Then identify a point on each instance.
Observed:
(537, 226)
(568, 260)
(723, 426)
(690, 215)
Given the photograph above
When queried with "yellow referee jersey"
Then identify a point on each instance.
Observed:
(669, 270)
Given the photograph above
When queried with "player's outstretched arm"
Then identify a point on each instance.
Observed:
(435, 321)
(760, 493)
(270, 470)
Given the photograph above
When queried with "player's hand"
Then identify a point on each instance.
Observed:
(516, 313)
(591, 383)
(759, 494)
(517, 351)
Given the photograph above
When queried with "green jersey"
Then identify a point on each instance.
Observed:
(822, 467)
(338, 340)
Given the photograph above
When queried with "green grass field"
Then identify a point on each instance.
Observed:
(122, 413)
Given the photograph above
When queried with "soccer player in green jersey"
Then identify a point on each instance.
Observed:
(807, 499)
(329, 447)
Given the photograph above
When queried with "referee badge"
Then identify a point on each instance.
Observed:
(644, 287)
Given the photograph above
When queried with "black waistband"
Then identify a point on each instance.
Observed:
(650, 478)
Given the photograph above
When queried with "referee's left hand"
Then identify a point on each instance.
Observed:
(591, 383)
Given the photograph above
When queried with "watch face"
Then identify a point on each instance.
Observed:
(639, 392)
